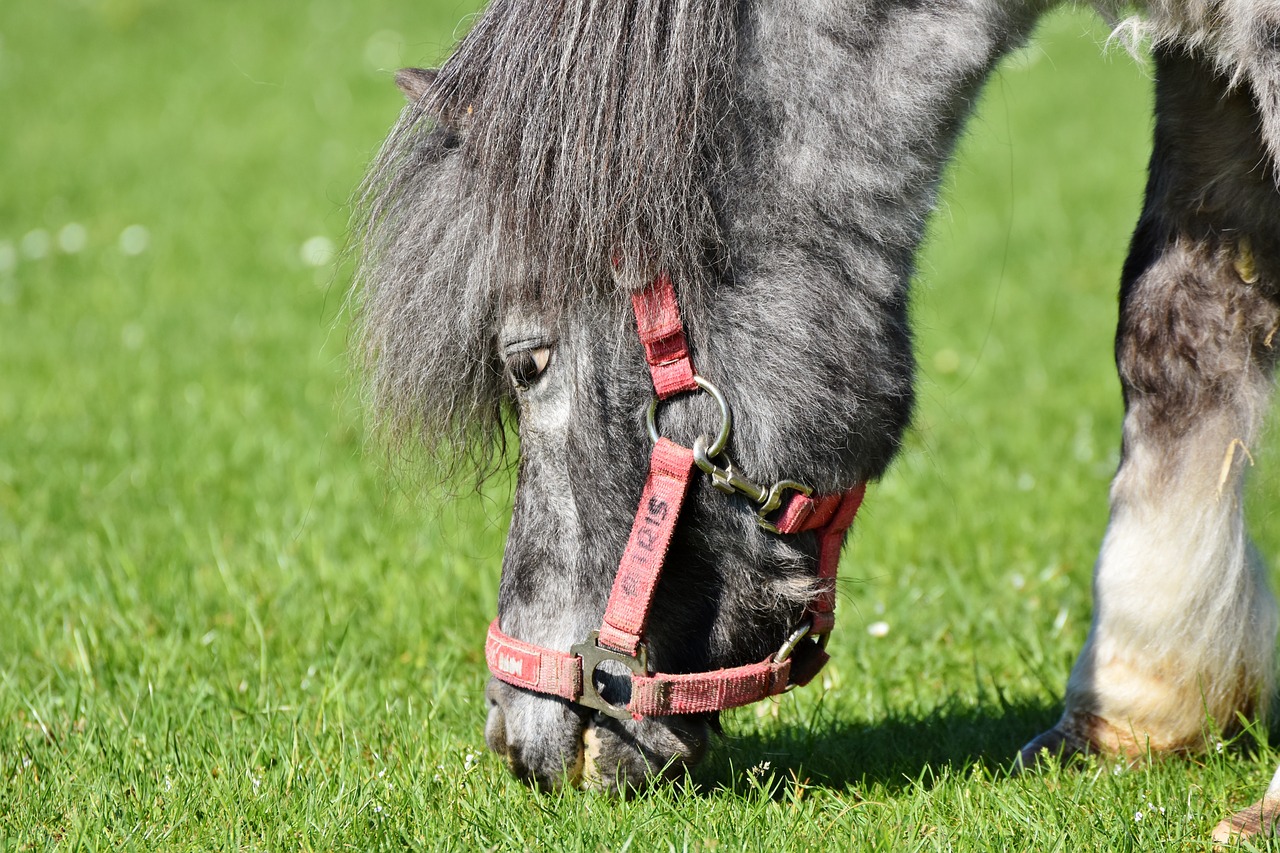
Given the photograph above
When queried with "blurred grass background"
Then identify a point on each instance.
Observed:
(228, 625)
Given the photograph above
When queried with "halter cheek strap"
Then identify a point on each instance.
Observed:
(785, 508)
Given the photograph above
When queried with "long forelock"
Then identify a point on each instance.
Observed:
(557, 140)
(591, 127)
(423, 306)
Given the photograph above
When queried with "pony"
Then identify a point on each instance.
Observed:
(764, 171)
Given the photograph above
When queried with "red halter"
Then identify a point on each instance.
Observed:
(671, 468)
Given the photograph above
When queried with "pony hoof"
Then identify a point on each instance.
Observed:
(1082, 733)
(1057, 742)
(1258, 820)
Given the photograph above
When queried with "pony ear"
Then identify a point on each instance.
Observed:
(416, 82)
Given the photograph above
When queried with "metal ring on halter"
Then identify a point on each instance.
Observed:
(793, 639)
(726, 418)
(802, 633)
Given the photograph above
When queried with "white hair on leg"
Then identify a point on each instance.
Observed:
(1184, 625)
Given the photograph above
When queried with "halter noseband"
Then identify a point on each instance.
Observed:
(787, 507)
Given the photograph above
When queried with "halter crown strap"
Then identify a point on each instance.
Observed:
(665, 349)
(621, 635)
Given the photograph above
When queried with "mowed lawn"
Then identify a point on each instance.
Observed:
(229, 622)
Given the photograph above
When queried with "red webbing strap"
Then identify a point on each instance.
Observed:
(532, 667)
(830, 540)
(831, 516)
(658, 695)
(701, 692)
(560, 674)
(805, 513)
(665, 348)
(625, 616)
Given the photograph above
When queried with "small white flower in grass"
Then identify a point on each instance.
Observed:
(317, 251)
(878, 629)
(471, 760)
(134, 240)
(377, 807)
(36, 243)
(1137, 817)
(73, 238)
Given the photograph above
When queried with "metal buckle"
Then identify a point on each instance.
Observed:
(726, 477)
(593, 654)
(726, 416)
(774, 500)
(729, 480)
(795, 638)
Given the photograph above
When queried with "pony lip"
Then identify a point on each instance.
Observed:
(779, 162)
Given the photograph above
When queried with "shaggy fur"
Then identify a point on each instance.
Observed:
(782, 159)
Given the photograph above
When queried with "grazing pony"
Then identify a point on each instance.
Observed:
(721, 202)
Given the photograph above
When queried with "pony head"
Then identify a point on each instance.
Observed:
(559, 163)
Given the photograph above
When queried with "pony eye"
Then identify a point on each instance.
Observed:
(524, 367)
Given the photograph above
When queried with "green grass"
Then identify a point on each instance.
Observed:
(226, 625)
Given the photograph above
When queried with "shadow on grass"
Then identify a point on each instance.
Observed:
(894, 752)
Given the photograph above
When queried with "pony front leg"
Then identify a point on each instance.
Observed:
(1184, 626)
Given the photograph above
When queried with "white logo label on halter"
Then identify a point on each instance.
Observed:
(510, 664)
